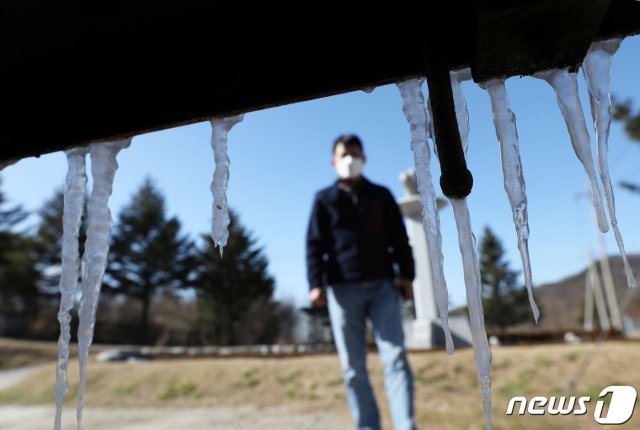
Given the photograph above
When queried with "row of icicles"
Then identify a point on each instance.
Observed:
(91, 268)
(597, 71)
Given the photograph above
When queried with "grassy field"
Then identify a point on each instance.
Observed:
(447, 392)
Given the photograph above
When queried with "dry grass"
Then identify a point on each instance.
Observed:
(447, 394)
(19, 353)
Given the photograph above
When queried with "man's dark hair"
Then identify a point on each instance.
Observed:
(347, 140)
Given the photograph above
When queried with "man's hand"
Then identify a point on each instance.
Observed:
(318, 297)
(405, 287)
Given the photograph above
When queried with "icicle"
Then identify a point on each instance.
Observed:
(414, 109)
(431, 132)
(597, 72)
(462, 113)
(467, 242)
(96, 249)
(220, 128)
(481, 351)
(565, 85)
(505, 122)
(71, 220)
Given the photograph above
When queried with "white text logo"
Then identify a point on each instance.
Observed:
(620, 410)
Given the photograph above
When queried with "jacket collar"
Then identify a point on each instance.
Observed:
(361, 184)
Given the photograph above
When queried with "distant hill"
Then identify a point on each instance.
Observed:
(562, 303)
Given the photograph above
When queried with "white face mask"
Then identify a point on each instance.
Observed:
(349, 167)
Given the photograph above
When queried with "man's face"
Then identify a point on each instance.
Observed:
(348, 161)
(345, 150)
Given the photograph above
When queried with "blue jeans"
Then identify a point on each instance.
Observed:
(350, 305)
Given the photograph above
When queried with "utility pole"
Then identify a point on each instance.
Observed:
(593, 278)
(588, 303)
(609, 288)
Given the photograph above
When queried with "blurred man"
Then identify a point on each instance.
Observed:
(358, 260)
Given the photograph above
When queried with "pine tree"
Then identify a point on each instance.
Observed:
(10, 217)
(234, 292)
(48, 241)
(18, 276)
(505, 300)
(624, 112)
(148, 254)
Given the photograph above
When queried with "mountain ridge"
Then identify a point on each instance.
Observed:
(561, 303)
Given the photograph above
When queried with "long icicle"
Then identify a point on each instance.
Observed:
(462, 113)
(413, 106)
(220, 128)
(96, 250)
(467, 242)
(481, 350)
(505, 123)
(597, 72)
(71, 220)
(565, 85)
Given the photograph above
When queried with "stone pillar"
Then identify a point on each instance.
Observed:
(424, 331)
(418, 332)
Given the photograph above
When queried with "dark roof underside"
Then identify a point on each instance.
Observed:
(79, 73)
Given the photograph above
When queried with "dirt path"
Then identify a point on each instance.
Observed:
(240, 418)
(13, 376)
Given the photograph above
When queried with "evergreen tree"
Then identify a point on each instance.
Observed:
(49, 243)
(148, 254)
(624, 112)
(10, 217)
(234, 293)
(505, 300)
(18, 276)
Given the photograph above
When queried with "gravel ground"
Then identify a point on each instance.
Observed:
(240, 418)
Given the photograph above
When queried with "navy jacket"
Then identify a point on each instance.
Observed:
(355, 236)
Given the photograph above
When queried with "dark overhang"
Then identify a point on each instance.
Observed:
(75, 73)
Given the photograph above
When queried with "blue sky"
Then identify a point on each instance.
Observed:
(281, 156)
